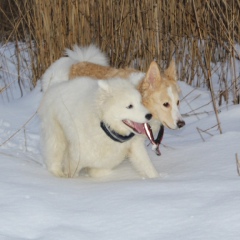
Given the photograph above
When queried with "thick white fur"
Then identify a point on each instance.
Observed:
(90, 53)
(59, 70)
(72, 139)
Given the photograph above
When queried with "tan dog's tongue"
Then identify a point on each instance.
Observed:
(145, 128)
(155, 143)
(148, 132)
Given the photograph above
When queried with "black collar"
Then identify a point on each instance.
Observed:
(115, 136)
(158, 140)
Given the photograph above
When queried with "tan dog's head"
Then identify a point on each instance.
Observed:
(160, 95)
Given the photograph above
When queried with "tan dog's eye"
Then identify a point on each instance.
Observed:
(130, 106)
(178, 102)
(166, 104)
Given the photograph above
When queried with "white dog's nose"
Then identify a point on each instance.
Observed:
(148, 116)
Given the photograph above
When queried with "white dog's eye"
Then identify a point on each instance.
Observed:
(130, 106)
(178, 102)
(166, 104)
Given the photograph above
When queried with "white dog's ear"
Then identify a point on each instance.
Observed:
(103, 84)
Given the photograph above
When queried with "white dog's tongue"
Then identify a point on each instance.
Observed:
(141, 128)
(146, 129)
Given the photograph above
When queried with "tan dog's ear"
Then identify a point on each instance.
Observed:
(153, 76)
(170, 72)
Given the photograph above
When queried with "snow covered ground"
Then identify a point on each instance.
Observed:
(196, 197)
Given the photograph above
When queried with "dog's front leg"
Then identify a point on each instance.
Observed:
(140, 160)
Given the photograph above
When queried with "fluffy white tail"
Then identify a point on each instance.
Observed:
(90, 53)
(59, 70)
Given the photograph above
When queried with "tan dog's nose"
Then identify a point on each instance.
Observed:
(180, 123)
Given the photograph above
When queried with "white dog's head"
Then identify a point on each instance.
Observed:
(120, 106)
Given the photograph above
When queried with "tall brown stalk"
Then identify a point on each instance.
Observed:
(132, 33)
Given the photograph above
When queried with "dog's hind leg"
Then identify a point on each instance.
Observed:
(72, 164)
(140, 160)
(54, 146)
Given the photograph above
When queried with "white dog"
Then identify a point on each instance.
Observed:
(90, 124)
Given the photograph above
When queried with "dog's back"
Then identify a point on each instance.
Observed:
(59, 71)
(99, 71)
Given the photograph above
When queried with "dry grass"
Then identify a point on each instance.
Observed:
(198, 33)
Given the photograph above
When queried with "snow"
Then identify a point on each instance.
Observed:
(196, 197)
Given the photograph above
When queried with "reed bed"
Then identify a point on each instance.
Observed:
(200, 34)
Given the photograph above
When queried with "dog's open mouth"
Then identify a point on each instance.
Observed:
(145, 128)
(141, 128)
(136, 127)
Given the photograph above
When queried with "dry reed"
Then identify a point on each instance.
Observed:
(198, 33)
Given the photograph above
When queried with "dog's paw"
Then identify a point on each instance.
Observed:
(96, 172)
(58, 172)
(163, 175)
(152, 174)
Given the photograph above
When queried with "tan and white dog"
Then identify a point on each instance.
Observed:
(160, 92)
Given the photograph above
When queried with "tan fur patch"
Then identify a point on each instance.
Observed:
(99, 72)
